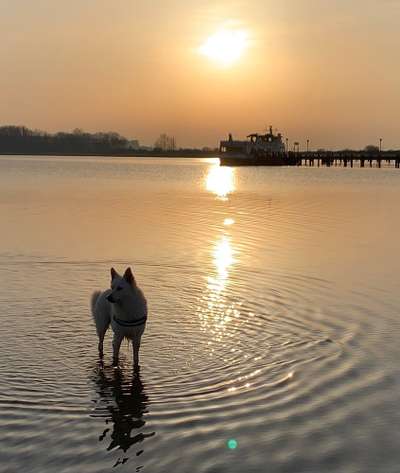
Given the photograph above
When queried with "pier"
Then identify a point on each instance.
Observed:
(346, 158)
(316, 158)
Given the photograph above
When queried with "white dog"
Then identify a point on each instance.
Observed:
(125, 308)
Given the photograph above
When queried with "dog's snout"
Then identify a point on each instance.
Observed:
(110, 298)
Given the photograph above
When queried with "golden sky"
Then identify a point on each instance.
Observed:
(327, 70)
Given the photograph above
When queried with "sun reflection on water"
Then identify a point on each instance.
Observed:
(222, 316)
(220, 181)
(215, 310)
(223, 257)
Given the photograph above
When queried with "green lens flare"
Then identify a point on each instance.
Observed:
(232, 444)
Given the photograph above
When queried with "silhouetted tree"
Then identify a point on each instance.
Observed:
(372, 149)
(165, 143)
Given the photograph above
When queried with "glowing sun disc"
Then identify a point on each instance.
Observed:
(225, 46)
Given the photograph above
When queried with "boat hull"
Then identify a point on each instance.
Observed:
(276, 160)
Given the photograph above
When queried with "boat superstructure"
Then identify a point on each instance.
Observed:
(258, 149)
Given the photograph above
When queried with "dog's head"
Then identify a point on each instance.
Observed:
(121, 286)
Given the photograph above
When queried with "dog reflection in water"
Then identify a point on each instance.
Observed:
(122, 403)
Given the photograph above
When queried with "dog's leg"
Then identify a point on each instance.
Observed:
(101, 340)
(136, 347)
(116, 346)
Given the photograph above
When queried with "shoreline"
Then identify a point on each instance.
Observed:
(145, 154)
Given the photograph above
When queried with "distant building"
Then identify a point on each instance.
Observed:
(132, 144)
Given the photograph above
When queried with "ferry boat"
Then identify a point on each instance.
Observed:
(258, 150)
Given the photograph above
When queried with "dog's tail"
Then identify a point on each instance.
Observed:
(100, 313)
(93, 301)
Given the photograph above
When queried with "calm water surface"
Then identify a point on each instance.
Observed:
(274, 317)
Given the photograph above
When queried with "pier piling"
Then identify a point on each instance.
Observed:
(350, 159)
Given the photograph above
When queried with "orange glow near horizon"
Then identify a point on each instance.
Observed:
(200, 70)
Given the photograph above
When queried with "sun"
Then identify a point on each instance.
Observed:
(225, 47)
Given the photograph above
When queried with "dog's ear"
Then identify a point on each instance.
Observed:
(113, 273)
(128, 276)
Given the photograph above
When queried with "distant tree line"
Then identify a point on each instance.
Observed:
(20, 139)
